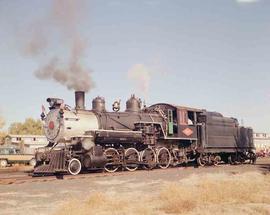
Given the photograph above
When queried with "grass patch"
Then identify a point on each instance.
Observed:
(247, 193)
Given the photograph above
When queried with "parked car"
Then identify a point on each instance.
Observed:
(10, 155)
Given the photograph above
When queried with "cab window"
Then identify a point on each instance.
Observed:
(182, 117)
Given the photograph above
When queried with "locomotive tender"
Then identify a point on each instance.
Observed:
(161, 135)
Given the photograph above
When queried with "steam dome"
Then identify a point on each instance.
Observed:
(98, 104)
(133, 104)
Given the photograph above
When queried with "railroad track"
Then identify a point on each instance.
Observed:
(21, 179)
(8, 177)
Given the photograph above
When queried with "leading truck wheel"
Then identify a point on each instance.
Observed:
(74, 166)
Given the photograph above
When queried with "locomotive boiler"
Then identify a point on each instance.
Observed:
(161, 135)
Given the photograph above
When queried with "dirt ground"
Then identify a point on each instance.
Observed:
(48, 197)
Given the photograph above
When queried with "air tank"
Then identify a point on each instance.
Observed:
(133, 104)
(98, 104)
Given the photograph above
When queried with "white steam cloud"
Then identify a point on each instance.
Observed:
(140, 75)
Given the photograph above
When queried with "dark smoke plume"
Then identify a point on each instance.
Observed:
(64, 19)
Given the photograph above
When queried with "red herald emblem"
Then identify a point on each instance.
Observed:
(51, 125)
(187, 131)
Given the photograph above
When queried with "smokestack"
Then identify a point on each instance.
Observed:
(79, 100)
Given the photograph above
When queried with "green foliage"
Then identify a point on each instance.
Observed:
(29, 126)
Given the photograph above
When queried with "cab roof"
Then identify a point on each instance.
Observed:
(178, 107)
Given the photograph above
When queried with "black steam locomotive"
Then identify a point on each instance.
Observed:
(161, 135)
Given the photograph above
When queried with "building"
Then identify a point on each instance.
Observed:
(27, 143)
(261, 141)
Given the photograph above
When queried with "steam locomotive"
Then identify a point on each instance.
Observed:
(160, 135)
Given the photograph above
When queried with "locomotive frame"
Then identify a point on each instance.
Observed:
(161, 135)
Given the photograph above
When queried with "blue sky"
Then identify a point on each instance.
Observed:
(207, 54)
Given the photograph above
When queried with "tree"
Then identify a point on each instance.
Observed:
(2, 133)
(29, 126)
(2, 137)
(2, 122)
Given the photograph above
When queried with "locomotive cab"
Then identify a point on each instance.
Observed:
(187, 120)
(181, 121)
